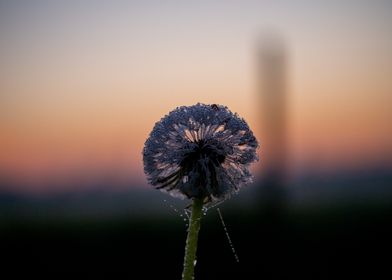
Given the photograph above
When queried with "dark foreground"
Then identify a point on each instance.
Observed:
(272, 243)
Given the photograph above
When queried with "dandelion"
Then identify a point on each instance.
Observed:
(201, 152)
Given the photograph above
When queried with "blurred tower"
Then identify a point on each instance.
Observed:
(272, 60)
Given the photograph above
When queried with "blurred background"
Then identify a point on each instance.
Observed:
(82, 84)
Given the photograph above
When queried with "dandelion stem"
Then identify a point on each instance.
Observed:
(191, 240)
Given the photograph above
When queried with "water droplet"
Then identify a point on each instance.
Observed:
(194, 262)
(227, 235)
(187, 213)
(178, 212)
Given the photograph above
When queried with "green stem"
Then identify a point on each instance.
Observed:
(191, 240)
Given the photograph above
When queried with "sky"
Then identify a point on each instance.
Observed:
(82, 83)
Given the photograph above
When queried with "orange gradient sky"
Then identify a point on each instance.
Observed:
(83, 82)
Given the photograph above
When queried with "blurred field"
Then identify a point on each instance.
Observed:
(137, 233)
(318, 244)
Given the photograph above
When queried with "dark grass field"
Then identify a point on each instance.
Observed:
(339, 241)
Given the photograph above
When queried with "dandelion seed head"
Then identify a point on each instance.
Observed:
(201, 151)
